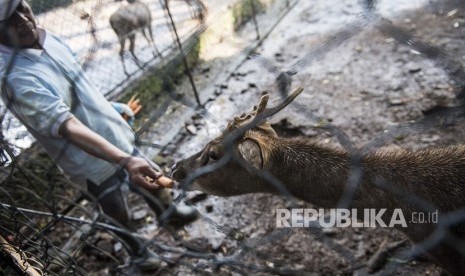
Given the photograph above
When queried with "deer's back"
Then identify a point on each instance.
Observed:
(436, 174)
(131, 17)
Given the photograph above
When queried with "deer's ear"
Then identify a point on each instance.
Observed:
(267, 129)
(251, 152)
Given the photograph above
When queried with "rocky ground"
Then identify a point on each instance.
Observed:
(365, 86)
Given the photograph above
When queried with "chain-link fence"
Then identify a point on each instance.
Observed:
(51, 225)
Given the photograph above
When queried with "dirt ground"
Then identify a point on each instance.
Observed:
(365, 86)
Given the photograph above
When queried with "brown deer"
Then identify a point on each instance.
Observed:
(233, 164)
(126, 21)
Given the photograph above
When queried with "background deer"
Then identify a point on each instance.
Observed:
(319, 174)
(129, 19)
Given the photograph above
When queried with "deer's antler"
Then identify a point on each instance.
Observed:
(262, 111)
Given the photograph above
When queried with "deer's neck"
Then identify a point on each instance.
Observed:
(319, 174)
(310, 172)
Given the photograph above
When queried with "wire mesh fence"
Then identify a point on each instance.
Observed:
(54, 225)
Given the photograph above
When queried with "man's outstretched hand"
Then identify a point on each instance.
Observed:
(142, 174)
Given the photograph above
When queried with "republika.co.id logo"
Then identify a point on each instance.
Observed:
(350, 217)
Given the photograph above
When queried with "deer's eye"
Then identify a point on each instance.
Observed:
(212, 156)
(207, 157)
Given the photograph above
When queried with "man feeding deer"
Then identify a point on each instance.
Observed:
(396, 183)
(45, 88)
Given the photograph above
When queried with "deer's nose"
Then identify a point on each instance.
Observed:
(177, 172)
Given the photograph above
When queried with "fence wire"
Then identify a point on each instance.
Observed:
(53, 226)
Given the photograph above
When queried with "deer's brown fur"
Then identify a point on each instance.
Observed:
(319, 174)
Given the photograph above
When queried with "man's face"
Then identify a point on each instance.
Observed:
(21, 28)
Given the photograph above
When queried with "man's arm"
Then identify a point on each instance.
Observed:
(94, 144)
